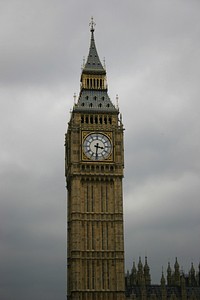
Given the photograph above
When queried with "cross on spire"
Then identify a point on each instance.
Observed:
(92, 24)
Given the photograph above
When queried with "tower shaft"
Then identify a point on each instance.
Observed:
(94, 173)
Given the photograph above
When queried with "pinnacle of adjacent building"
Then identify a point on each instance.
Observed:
(162, 281)
(169, 270)
(93, 64)
(140, 266)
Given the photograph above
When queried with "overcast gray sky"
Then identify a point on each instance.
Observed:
(153, 64)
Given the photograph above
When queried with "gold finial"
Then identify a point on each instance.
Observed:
(92, 24)
(83, 65)
(104, 63)
(117, 101)
(74, 98)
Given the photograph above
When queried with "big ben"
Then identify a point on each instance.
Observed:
(94, 173)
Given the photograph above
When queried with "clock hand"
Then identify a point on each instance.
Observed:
(98, 147)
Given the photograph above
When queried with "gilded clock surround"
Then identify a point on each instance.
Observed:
(104, 158)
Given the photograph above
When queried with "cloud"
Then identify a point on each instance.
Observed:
(152, 59)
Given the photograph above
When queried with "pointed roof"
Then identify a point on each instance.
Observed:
(95, 101)
(93, 64)
(94, 98)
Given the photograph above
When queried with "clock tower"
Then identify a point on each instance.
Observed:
(94, 163)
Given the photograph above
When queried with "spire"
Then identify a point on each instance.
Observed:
(133, 275)
(140, 273)
(192, 276)
(176, 265)
(140, 266)
(93, 64)
(162, 280)
(169, 275)
(93, 95)
(192, 270)
(147, 275)
(163, 288)
(176, 273)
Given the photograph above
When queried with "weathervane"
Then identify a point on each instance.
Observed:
(92, 24)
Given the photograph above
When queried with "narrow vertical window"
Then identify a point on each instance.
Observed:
(92, 198)
(102, 236)
(108, 276)
(87, 198)
(107, 239)
(106, 196)
(88, 236)
(103, 275)
(93, 276)
(93, 237)
(84, 275)
(88, 275)
(102, 206)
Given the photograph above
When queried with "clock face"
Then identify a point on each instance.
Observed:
(97, 146)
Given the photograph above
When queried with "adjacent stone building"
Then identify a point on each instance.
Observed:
(176, 286)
